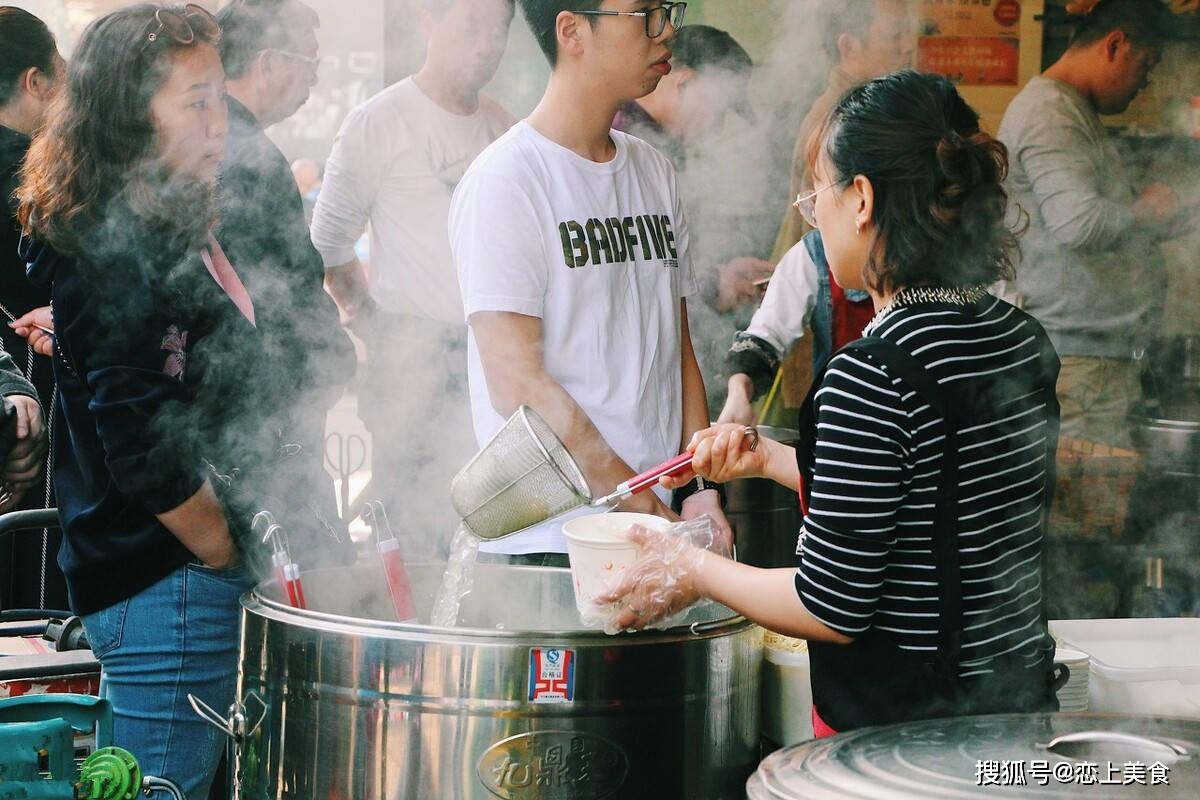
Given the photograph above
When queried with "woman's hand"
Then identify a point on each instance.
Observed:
(37, 328)
(223, 555)
(660, 584)
(722, 453)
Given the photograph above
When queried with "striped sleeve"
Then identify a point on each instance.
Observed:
(861, 471)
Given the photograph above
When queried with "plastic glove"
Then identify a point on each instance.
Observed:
(658, 589)
(708, 504)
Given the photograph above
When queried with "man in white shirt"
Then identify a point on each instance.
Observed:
(395, 163)
(572, 253)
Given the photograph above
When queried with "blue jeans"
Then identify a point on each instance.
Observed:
(178, 637)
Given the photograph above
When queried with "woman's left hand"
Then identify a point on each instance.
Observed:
(660, 584)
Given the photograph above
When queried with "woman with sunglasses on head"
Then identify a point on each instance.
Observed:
(154, 332)
(928, 446)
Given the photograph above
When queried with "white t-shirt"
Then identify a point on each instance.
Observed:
(789, 302)
(395, 163)
(599, 252)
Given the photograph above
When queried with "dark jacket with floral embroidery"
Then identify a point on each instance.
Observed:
(155, 368)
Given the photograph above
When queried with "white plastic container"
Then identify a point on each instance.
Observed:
(786, 693)
(1139, 666)
(599, 550)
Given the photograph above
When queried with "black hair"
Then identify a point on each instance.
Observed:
(940, 205)
(249, 27)
(700, 47)
(849, 16)
(542, 15)
(25, 43)
(1146, 23)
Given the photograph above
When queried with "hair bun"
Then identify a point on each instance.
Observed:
(968, 162)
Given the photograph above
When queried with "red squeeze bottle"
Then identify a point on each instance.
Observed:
(397, 579)
(279, 561)
(295, 588)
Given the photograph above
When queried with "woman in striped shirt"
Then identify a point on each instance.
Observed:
(928, 446)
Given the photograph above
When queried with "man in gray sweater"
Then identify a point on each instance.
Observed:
(1091, 270)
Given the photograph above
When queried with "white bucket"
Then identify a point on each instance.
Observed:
(786, 691)
(599, 549)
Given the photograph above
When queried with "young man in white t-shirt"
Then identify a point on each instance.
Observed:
(572, 254)
(395, 163)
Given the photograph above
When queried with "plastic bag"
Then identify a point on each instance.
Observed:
(663, 575)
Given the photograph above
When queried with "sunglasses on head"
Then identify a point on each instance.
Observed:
(185, 27)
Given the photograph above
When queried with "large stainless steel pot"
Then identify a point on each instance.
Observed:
(764, 515)
(1168, 445)
(355, 707)
(974, 757)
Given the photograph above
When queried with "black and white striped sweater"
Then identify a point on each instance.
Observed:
(865, 557)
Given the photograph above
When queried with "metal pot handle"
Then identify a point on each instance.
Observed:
(1169, 749)
(701, 628)
(237, 726)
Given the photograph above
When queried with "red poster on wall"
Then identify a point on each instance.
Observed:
(973, 61)
(972, 42)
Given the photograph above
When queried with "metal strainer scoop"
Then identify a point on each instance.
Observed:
(522, 477)
(525, 476)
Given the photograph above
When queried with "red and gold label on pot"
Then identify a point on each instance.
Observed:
(551, 675)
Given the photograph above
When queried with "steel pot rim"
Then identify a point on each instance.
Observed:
(255, 602)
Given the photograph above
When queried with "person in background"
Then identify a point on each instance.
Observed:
(574, 256)
(926, 449)
(155, 338)
(1091, 269)
(802, 295)
(395, 164)
(710, 75)
(269, 52)
(690, 118)
(308, 175)
(864, 39)
(31, 73)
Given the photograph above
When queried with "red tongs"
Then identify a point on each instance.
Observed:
(394, 570)
(287, 573)
(640, 483)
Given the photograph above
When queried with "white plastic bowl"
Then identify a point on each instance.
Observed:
(599, 550)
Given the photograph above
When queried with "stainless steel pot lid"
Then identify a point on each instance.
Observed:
(1017, 755)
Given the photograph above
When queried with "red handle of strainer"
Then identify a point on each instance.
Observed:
(643, 481)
